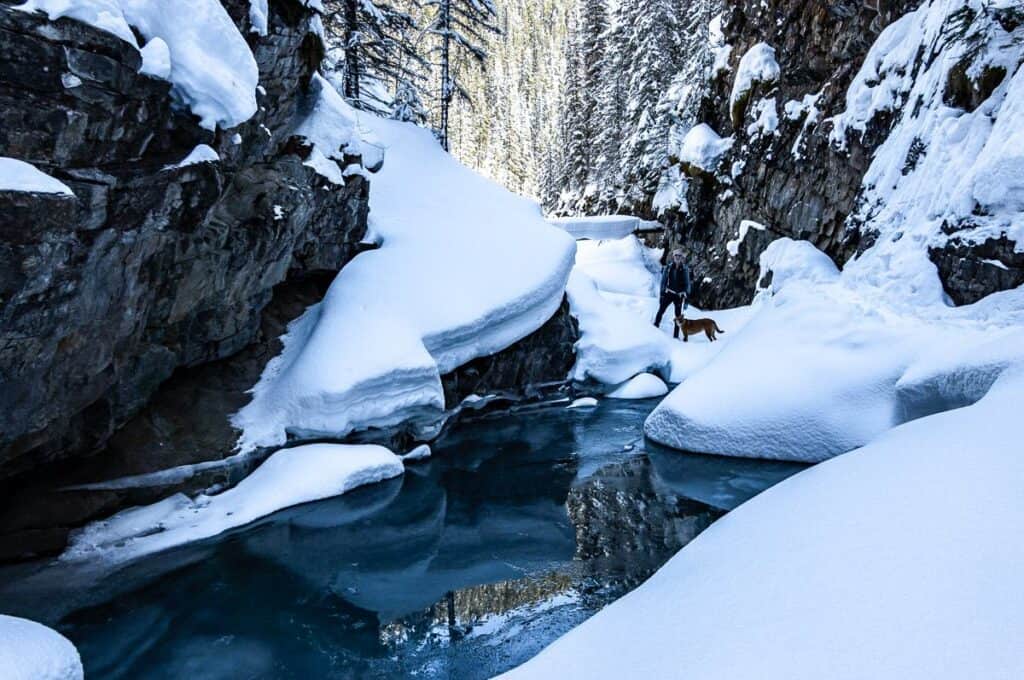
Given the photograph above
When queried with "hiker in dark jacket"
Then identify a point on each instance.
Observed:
(675, 288)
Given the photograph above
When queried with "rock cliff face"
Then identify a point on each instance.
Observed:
(151, 267)
(782, 172)
(819, 46)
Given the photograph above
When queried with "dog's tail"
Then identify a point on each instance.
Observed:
(717, 329)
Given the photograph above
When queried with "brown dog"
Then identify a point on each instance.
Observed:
(694, 326)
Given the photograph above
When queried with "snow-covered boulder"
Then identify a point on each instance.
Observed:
(894, 561)
(702, 149)
(758, 68)
(31, 651)
(786, 259)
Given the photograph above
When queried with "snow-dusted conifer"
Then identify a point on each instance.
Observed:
(377, 50)
(461, 26)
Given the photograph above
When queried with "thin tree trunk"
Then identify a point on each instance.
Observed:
(446, 94)
(351, 50)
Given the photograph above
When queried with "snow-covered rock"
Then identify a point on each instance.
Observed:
(156, 59)
(31, 651)
(464, 269)
(258, 16)
(18, 175)
(757, 66)
(733, 246)
(207, 60)
(893, 561)
(703, 148)
(643, 386)
(201, 154)
(289, 477)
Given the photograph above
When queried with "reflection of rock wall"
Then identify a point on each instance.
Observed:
(619, 514)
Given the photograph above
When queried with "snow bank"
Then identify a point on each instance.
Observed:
(643, 386)
(615, 343)
(464, 270)
(828, 364)
(598, 226)
(18, 175)
(703, 148)
(210, 64)
(31, 651)
(757, 65)
(894, 561)
(289, 477)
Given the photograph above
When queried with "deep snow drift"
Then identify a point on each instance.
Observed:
(464, 270)
(31, 651)
(289, 477)
(893, 561)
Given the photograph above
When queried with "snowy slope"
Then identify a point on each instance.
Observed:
(893, 561)
(942, 170)
(31, 651)
(464, 270)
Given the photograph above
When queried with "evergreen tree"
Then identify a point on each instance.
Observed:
(375, 39)
(655, 52)
(407, 105)
(461, 26)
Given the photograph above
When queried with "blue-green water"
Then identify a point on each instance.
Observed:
(520, 527)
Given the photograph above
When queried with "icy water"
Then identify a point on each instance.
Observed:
(519, 528)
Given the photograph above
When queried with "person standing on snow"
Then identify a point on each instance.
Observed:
(675, 288)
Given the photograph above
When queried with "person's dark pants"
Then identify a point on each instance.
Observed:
(666, 300)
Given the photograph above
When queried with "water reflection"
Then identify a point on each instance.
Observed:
(519, 528)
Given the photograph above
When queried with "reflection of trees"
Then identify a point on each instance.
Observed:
(625, 523)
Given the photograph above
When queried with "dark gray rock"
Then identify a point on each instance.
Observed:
(970, 271)
(150, 268)
(534, 365)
